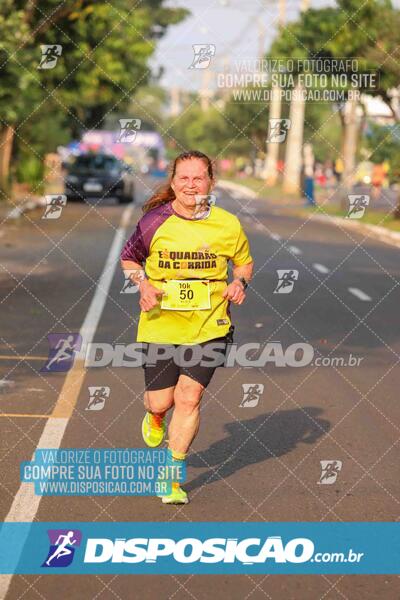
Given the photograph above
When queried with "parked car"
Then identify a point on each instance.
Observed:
(100, 176)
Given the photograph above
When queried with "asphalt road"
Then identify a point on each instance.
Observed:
(259, 463)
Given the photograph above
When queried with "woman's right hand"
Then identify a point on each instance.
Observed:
(148, 295)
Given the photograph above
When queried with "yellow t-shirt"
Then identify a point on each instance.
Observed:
(176, 247)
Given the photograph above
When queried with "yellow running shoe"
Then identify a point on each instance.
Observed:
(177, 496)
(153, 429)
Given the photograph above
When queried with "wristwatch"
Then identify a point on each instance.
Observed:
(243, 282)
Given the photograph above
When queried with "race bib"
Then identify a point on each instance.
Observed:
(186, 294)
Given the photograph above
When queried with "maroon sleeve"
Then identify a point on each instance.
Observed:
(135, 248)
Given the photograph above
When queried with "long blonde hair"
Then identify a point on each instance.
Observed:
(165, 193)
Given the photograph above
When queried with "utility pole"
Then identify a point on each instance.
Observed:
(275, 108)
(294, 143)
(205, 92)
(175, 104)
(261, 37)
(282, 13)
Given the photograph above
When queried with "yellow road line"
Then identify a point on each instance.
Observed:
(70, 390)
(25, 415)
(67, 397)
(22, 357)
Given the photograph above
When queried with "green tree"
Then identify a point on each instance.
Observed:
(351, 30)
(105, 51)
(198, 129)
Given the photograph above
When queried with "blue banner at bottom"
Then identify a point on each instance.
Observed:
(200, 548)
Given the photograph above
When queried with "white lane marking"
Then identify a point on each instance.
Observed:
(276, 237)
(93, 315)
(26, 503)
(294, 250)
(321, 268)
(359, 294)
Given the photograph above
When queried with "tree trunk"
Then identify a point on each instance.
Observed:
(294, 144)
(6, 143)
(349, 149)
(271, 162)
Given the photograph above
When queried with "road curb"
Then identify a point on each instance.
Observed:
(389, 237)
(24, 207)
(237, 187)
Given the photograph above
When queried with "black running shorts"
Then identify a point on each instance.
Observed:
(164, 363)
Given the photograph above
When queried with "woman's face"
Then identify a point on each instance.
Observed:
(191, 182)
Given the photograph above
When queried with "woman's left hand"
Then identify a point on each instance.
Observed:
(234, 292)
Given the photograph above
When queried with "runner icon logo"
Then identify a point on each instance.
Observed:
(251, 394)
(278, 130)
(287, 277)
(62, 547)
(329, 471)
(54, 206)
(129, 129)
(50, 55)
(62, 351)
(357, 205)
(97, 397)
(129, 287)
(202, 55)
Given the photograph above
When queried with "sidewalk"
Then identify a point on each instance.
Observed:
(24, 201)
(297, 206)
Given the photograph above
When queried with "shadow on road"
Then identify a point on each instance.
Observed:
(255, 440)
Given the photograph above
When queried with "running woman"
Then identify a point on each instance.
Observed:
(178, 257)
